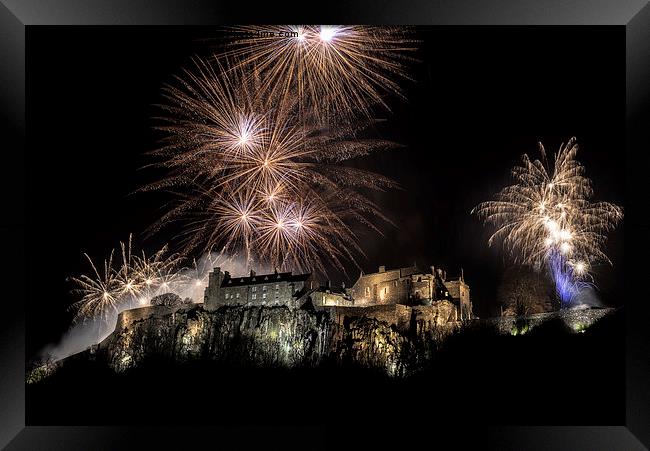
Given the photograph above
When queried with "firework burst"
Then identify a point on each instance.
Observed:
(255, 181)
(155, 274)
(336, 72)
(100, 292)
(546, 220)
(136, 280)
(129, 281)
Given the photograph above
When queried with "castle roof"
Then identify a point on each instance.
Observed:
(259, 279)
(401, 272)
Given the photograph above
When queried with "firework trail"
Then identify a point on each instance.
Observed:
(129, 282)
(336, 72)
(546, 220)
(253, 181)
(569, 278)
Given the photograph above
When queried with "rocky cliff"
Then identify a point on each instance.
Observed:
(267, 337)
(397, 341)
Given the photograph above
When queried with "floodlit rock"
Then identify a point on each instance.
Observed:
(272, 336)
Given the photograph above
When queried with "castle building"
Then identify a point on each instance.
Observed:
(411, 286)
(278, 288)
(329, 296)
(406, 286)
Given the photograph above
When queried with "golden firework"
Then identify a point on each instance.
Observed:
(100, 292)
(273, 190)
(337, 72)
(547, 211)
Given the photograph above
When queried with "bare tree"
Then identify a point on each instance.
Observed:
(523, 291)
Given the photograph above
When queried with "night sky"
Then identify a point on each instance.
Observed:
(481, 97)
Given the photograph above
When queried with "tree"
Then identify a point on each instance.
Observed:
(523, 291)
(169, 300)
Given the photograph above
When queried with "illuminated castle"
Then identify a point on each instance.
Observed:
(404, 286)
(411, 286)
(279, 288)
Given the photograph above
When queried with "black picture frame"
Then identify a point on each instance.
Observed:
(16, 15)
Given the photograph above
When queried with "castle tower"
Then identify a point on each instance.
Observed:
(212, 291)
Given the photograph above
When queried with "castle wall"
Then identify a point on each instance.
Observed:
(137, 314)
(460, 290)
(388, 287)
(430, 316)
(439, 313)
(384, 313)
(323, 298)
(576, 320)
(422, 286)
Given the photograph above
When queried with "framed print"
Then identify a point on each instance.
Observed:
(424, 222)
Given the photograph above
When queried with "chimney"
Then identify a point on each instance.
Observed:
(343, 285)
(252, 273)
(382, 269)
(328, 284)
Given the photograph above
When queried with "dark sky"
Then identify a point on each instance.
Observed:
(482, 96)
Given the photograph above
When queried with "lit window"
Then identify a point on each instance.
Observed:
(254, 296)
(254, 288)
(237, 296)
(263, 295)
(264, 287)
(227, 296)
(277, 286)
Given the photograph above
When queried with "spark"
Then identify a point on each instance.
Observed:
(565, 248)
(327, 33)
(580, 268)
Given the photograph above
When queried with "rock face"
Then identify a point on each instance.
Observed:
(268, 337)
(397, 341)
